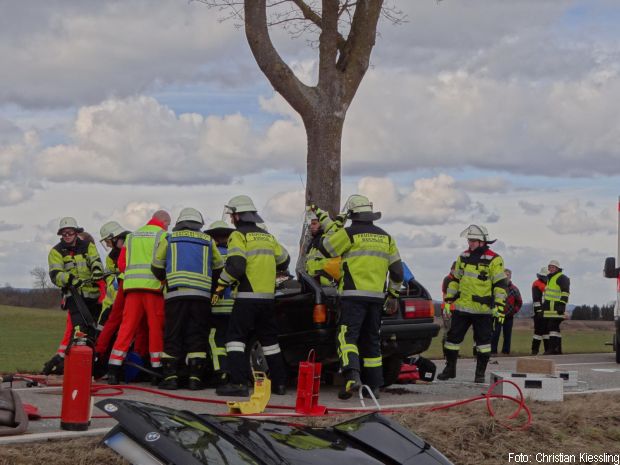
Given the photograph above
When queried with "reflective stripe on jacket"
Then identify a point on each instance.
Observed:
(253, 256)
(225, 304)
(78, 261)
(190, 258)
(556, 295)
(368, 253)
(140, 249)
(478, 282)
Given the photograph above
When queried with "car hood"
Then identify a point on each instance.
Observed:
(149, 434)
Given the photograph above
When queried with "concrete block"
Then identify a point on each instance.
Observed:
(569, 377)
(534, 386)
(535, 365)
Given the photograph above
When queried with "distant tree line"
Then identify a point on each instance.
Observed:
(33, 298)
(593, 312)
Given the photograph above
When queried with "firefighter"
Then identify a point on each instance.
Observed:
(254, 255)
(368, 255)
(325, 270)
(76, 262)
(478, 292)
(143, 293)
(555, 300)
(112, 237)
(186, 260)
(220, 231)
(538, 289)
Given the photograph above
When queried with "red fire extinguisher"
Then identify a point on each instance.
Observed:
(76, 399)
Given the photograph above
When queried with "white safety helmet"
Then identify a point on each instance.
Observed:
(357, 203)
(68, 222)
(359, 206)
(555, 263)
(240, 204)
(219, 224)
(190, 214)
(544, 271)
(110, 230)
(476, 233)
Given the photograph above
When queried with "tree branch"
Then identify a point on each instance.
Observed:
(279, 74)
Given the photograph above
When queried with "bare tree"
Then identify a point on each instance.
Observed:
(41, 278)
(346, 31)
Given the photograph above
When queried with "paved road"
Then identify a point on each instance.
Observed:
(595, 372)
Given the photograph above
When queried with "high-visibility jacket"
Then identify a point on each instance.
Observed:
(190, 258)
(368, 253)
(556, 295)
(538, 288)
(111, 266)
(140, 247)
(79, 261)
(320, 266)
(478, 282)
(225, 304)
(253, 256)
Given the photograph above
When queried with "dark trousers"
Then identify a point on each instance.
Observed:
(359, 338)
(483, 331)
(91, 307)
(253, 317)
(186, 328)
(506, 327)
(218, 328)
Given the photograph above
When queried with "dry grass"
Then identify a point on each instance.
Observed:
(467, 435)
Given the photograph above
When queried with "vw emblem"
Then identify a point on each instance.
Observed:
(152, 436)
(110, 408)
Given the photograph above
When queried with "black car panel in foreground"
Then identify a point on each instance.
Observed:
(406, 333)
(148, 434)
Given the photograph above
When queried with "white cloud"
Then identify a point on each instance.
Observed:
(488, 185)
(421, 239)
(571, 218)
(4, 226)
(138, 140)
(284, 206)
(66, 53)
(530, 208)
(134, 215)
(431, 201)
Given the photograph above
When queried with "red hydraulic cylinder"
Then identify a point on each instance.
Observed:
(76, 399)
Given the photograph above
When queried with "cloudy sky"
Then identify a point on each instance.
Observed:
(502, 113)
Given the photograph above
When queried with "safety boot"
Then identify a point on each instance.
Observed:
(114, 374)
(535, 346)
(481, 367)
(375, 392)
(169, 370)
(352, 382)
(54, 366)
(196, 369)
(233, 390)
(558, 349)
(450, 369)
(546, 347)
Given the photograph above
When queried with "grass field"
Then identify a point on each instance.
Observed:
(29, 337)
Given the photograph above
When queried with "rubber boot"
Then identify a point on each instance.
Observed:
(559, 346)
(554, 345)
(352, 382)
(169, 370)
(156, 377)
(546, 346)
(114, 374)
(535, 346)
(449, 371)
(196, 370)
(233, 390)
(481, 368)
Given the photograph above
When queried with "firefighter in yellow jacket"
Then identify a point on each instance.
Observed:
(368, 255)
(253, 258)
(478, 291)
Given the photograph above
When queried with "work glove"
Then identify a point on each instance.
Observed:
(76, 282)
(97, 275)
(391, 305)
(498, 313)
(561, 309)
(54, 365)
(447, 308)
(218, 294)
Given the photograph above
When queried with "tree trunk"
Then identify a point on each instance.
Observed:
(323, 161)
